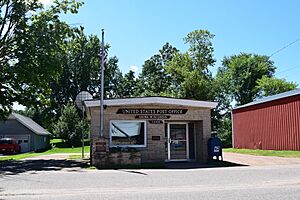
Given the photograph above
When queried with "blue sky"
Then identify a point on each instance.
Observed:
(137, 29)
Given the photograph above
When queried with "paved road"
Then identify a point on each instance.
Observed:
(53, 181)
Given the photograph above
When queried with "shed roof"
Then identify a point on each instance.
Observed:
(271, 98)
(152, 100)
(30, 124)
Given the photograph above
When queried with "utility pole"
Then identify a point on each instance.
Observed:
(102, 86)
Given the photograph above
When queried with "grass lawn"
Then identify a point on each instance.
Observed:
(58, 147)
(258, 152)
(62, 147)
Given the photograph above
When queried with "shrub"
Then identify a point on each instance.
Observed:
(69, 125)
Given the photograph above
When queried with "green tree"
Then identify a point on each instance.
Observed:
(270, 86)
(189, 72)
(225, 131)
(154, 79)
(129, 84)
(201, 50)
(113, 79)
(238, 82)
(240, 74)
(80, 71)
(221, 115)
(32, 41)
(69, 125)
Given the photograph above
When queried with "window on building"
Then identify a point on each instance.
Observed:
(128, 133)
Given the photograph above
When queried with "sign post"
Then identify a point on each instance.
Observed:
(79, 101)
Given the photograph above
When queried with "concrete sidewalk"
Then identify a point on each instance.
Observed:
(235, 158)
(245, 159)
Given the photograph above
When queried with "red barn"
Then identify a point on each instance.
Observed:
(271, 123)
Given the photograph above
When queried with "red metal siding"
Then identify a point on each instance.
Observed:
(270, 125)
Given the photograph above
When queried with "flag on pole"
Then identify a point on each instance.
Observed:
(105, 53)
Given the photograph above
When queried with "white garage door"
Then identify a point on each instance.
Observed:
(23, 140)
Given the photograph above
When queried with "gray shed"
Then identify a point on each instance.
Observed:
(30, 135)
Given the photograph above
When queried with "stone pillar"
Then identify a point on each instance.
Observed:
(99, 152)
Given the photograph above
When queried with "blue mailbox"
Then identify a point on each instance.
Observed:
(214, 148)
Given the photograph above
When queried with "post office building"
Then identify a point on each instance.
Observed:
(149, 130)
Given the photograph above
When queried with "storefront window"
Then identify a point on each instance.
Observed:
(128, 133)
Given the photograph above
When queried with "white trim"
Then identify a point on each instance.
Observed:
(152, 100)
(169, 144)
(187, 142)
(134, 146)
(271, 98)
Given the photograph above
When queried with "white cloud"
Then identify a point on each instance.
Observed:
(134, 68)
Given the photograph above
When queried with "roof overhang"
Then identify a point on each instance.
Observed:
(152, 101)
(270, 98)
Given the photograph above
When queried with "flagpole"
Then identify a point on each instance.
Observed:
(102, 86)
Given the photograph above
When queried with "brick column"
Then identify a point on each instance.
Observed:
(99, 152)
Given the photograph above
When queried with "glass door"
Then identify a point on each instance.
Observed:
(178, 141)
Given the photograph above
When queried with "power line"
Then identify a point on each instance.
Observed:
(289, 69)
(284, 48)
(281, 49)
